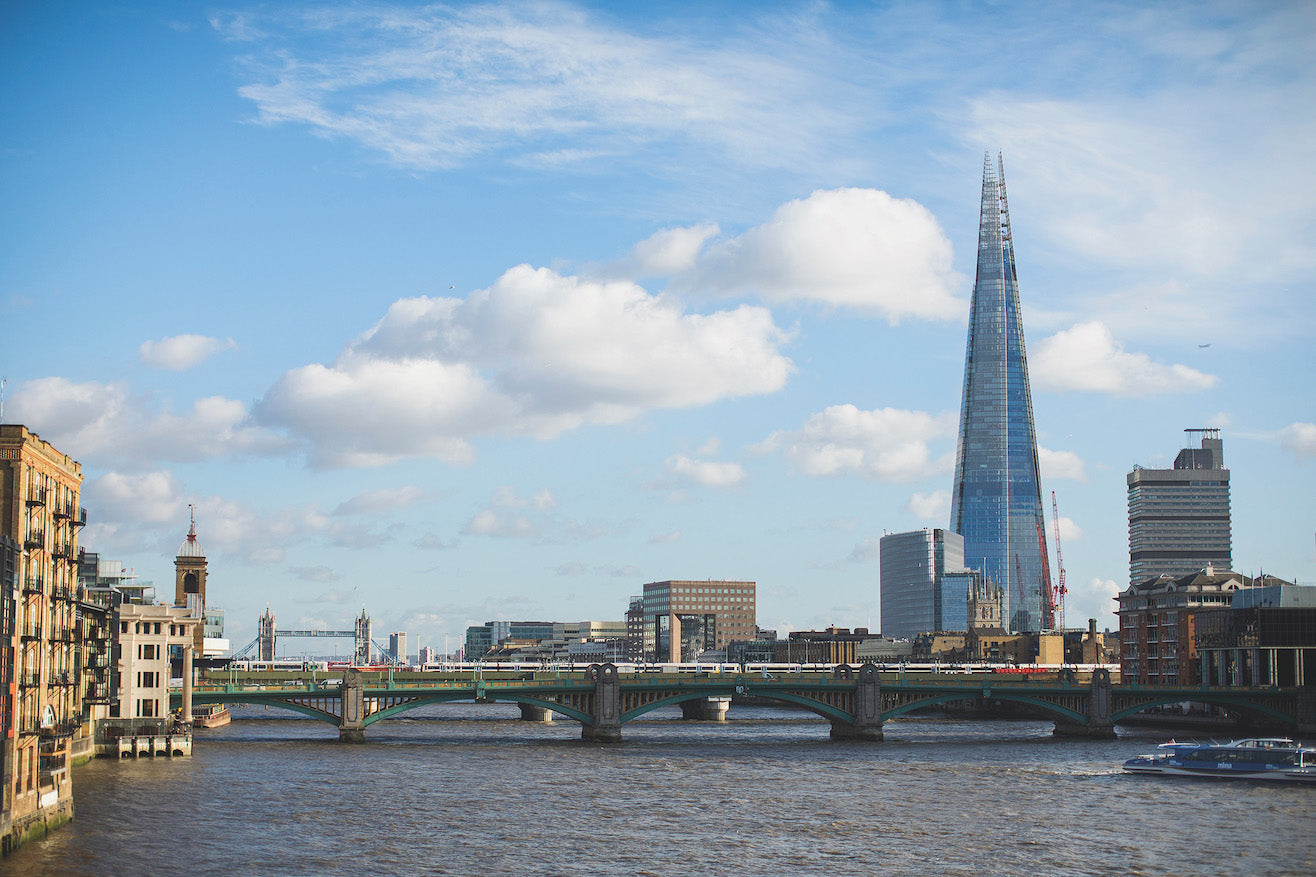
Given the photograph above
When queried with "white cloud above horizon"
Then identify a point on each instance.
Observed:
(182, 352)
(1086, 357)
(887, 445)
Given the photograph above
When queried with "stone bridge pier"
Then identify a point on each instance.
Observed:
(352, 725)
(607, 705)
(867, 723)
(1100, 712)
(708, 709)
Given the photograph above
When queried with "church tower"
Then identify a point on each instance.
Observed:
(190, 584)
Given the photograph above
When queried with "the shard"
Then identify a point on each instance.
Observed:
(996, 503)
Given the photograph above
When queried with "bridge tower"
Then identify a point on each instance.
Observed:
(265, 636)
(362, 653)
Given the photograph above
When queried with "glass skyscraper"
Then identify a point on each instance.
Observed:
(919, 591)
(996, 503)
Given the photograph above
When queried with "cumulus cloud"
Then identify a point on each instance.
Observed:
(1086, 357)
(1299, 439)
(666, 253)
(852, 248)
(537, 353)
(91, 420)
(182, 352)
(511, 516)
(933, 506)
(1061, 464)
(705, 472)
(886, 444)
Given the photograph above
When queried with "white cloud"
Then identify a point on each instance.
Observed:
(1086, 357)
(933, 506)
(384, 499)
(536, 354)
(1069, 531)
(182, 352)
(1061, 464)
(886, 444)
(545, 84)
(1094, 598)
(706, 472)
(512, 516)
(853, 248)
(1299, 439)
(668, 252)
(103, 422)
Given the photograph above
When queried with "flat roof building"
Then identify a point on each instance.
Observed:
(1179, 520)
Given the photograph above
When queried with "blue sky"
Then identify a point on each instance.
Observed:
(489, 311)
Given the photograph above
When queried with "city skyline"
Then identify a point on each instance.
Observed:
(502, 311)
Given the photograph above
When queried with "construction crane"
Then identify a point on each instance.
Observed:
(1058, 597)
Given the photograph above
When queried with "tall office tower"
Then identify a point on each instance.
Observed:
(996, 502)
(916, 596)
(1179, 518)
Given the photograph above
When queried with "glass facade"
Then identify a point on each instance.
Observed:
(917, 593)
(996, 502)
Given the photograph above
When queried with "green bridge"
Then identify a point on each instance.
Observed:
(855, 701)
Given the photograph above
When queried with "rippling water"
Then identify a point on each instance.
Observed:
(467, 789)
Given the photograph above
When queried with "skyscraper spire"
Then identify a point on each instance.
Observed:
(996, 503)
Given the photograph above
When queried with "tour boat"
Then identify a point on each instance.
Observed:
(1254, 758)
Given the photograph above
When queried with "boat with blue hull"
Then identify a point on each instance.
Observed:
(1254, 758)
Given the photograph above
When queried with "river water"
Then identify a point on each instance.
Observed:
(469, 789)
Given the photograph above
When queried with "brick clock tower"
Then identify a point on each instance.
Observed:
(190, 584)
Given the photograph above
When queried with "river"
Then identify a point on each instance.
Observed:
(469, 789)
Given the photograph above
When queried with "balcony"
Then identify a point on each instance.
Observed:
(29, 678)
(34, 585)
(63, 549)
(35, 541)
(96, 692)
(81, 519)
(30, 631)
(64, 592)
(36, 496)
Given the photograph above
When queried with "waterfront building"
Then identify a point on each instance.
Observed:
(916, 593)
(996, 498)
(687, 618)
(1267, 636)
(151, 637)
(1179, 520)
(397, 647)
(638, 635)
(427, 655)
(40, 488)
(483, 638)
(1158, 624)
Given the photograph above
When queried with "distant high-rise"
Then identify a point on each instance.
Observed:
(916, 595)
(996, 502)
(1179, 518)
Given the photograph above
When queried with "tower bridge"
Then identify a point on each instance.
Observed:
(855, 701)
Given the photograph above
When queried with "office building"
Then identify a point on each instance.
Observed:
(996, 500)
(40, 488)
(916, 595)
(1179, 518)
(687, 618)
(397, 647)
(1267, 636)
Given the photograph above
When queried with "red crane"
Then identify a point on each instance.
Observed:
(1058, 596)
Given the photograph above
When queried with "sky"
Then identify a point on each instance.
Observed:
(471, 312)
